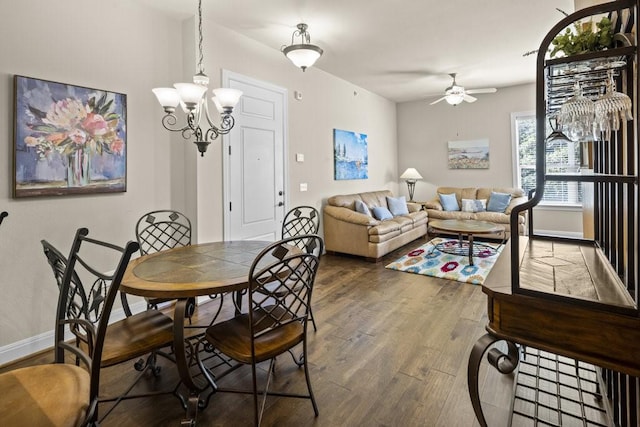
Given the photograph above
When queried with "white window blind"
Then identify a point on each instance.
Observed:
(562, 156)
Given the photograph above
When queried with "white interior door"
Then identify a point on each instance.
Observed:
(254, 161)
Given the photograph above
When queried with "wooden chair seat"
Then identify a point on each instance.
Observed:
(233, 338)
(44, 395)
(136, 336)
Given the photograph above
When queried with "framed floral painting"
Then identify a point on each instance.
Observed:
(68, 139)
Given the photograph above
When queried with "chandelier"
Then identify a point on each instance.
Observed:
(192, 98)
(304, 54)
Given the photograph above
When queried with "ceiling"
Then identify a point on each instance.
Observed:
(400, 49)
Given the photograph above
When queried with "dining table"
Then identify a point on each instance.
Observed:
(207, 269)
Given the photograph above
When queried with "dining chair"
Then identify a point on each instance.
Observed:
(161, 230)
(3, 215)
(140, 336)
(65, 393)
(277, 316)
(299, 221)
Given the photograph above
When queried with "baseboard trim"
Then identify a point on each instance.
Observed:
(568, 234)
(28, 346)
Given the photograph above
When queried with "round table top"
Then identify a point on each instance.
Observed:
(190, 271)
(465, 226)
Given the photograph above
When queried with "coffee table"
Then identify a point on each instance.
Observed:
(464, 227)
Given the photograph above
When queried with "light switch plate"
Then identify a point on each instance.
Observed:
(299, 157)
(303, 186)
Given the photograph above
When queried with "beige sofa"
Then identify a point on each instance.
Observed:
(350, 232)
(435, 210)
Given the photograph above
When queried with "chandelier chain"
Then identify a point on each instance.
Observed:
(201, 56)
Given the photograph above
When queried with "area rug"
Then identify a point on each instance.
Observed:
(433, 260)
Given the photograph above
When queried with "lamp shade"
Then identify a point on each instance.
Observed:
(454, 98)
(303, 55)
(411, 174)
(167, 96)
(190, 93)
(226, 98)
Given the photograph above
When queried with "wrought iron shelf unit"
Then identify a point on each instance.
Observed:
(603, 329)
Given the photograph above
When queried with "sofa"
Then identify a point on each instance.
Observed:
(348, 231)
(476, 209)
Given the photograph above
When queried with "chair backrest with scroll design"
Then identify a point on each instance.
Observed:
(3, 215)
(67, 393)
(300, 220)
(162, 229)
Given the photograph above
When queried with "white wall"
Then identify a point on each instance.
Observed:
(126, 47)
(424, 130)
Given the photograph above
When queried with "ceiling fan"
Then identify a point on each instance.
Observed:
(455, 94)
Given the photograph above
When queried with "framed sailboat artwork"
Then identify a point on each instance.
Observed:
(351, 159)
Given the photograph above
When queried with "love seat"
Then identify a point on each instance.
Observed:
(436, 210)
(351, 232)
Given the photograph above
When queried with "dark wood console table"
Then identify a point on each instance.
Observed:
(603, 338)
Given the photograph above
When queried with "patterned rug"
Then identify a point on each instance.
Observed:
(446, 259)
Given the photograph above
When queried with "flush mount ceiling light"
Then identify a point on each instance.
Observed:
(304, 54)
(192, 98)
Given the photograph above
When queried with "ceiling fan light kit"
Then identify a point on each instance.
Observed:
(303, 54)
(455, 94)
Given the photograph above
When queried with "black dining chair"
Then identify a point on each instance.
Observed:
(160, 230)
(3, 215)
(140, 336)
(65, 393)
(281, 282)
(299, 221)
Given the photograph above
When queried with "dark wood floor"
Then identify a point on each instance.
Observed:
(391, 350)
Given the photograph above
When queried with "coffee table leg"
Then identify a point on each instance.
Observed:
(470, 249)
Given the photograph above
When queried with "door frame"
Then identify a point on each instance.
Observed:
(228, 75)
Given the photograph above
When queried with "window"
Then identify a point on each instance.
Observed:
(563, 156)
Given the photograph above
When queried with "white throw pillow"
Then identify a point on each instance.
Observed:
(473, 205)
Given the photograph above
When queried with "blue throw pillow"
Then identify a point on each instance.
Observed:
(362, 208)
(397, 205)
(498, 202)
(381, 213)
(449, 202)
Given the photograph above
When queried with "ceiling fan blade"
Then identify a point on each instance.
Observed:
(438, 100)
(485, 90)
(469, 98)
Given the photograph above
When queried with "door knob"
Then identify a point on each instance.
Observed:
(280, 203)
(280, 193)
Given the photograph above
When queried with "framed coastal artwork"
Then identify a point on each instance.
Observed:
(68, 139)
(351, 159)
(472, 154)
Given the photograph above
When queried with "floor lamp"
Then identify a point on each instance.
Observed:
(411, 176)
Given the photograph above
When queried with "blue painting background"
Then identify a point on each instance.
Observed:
(351, 158)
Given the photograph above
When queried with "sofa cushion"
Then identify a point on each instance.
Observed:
(362, 207)
(473, 205)
(498, 202)
(381, 213)
(404, 222)
(449, 202)
(385, 227)
(397, 205)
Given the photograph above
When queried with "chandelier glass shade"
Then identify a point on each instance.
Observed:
(192, 97)
(303, 54)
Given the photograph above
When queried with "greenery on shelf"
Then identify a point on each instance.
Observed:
(583, 39)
